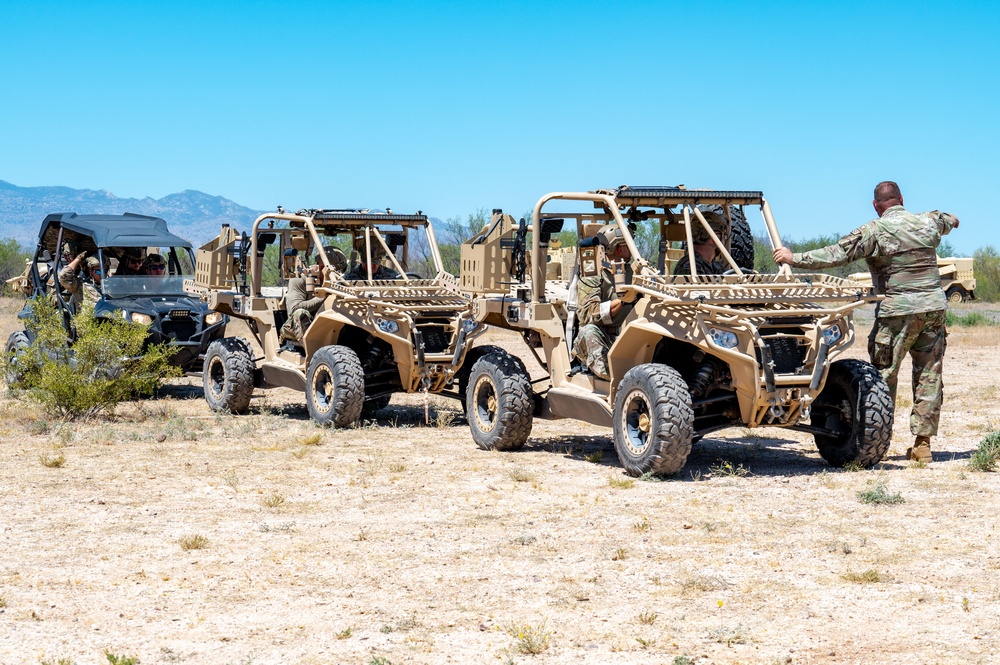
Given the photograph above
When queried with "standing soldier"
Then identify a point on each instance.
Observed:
(900, 249)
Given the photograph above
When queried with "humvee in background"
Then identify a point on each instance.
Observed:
(957, 278)
(371, 339)
(697, 353)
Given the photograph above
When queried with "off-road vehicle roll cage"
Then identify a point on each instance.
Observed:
(697, 353)
(373, 337)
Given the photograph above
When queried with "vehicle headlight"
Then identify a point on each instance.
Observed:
(141, 319)
(832, 334)
(723, 338)
(469, 325)
(387, 326)
(212, 318)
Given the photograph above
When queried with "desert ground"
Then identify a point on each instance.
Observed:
(171, 534)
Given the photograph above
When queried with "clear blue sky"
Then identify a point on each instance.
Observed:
(449, 107)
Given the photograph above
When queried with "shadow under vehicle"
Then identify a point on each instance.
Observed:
(372, 337)
(158, 302)
(696, 353)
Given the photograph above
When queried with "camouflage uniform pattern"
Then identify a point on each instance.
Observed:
(359, 273)
(597, 329)
(301, 310)
(923, 335)
(80, 287)
(900, 249)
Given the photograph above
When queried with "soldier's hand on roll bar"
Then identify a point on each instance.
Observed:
(783, 255)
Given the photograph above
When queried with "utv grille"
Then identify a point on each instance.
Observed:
(786, 354)
(181, 331)
(435, 338)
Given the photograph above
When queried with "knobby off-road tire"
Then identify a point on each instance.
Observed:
(17, 346)
(956, 295)
(471, 356)
(856, 401)
(227, 375)
(335, 386)
(653, 420)
(741, 242)
(498, 402)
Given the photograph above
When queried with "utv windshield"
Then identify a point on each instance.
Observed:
(147, 271)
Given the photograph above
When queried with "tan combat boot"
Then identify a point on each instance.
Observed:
(921, 450)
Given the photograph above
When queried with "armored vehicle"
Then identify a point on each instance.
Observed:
(372, 337)
(958, 280)
(155, 299)
(694, 354)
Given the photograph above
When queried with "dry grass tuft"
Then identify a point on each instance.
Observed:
(52, 460)
(521, 475)
(272, 500)
(531, 640)
(195, 542)
(870, 576)
(620, 483)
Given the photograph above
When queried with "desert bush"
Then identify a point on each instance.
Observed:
(986, 455)
(879, 495)
(107, 363)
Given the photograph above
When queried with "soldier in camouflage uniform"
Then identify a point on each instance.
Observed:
(900, 249)
(360, 271)
(300, 307)
(706, 254)
(599, 311)
(86, 286)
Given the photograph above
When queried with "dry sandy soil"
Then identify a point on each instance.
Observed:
(400, 542)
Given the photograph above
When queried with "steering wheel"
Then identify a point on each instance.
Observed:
(746, 271)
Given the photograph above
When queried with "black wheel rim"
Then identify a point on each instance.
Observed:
(216, 377)
(485, 404)
(322, 388)
(637, 423)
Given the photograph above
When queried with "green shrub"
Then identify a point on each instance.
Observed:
(106, 364)
(986, 455)
(986, 269)
(970, 319)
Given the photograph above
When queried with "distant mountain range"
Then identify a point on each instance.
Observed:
(193, 215)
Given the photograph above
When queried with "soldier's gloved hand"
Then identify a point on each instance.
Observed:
(81, 257)
(630, 296)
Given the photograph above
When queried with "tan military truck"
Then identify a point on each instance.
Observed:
(695, 354)
(372, 338)
(957, 278)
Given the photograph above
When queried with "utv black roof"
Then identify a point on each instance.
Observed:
(656, 195)
(128, 230)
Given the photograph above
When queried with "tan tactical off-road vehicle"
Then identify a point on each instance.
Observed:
(695, 354)
(372, 337)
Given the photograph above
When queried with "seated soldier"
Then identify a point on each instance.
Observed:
(300, 306)
(85, 286)
(600, 311)
(129, 262)
(378, 271)
(706, 253)
(155, 266)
